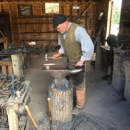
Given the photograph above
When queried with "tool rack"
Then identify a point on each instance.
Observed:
(13, 115)
(15, 109)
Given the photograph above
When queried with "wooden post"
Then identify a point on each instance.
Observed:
(12, 117)
(17, 64)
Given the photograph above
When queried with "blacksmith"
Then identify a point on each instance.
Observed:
(78, 47)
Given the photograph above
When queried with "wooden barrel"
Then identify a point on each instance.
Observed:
(62, 105)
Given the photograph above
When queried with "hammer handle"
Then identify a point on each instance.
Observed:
(30, 115)
(14, 81)
(50, 113)
(3, 81)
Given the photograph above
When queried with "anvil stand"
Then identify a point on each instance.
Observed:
(61, 95)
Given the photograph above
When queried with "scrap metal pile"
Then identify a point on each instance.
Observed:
(13, 90)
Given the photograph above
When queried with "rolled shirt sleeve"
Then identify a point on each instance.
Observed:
(87, 46)
(61, 50)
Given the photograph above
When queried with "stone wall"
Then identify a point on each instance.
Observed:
(121, 76)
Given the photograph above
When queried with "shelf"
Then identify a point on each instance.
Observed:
(39, 39)
(78, 22)
(40, 16)
(34, 23)
(38, 32)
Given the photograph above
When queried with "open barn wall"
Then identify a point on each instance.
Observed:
(38, 26)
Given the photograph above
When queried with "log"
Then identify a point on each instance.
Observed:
(62, 105)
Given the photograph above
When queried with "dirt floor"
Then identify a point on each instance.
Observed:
(103, 109)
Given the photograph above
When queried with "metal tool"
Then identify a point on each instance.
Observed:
(12, 93)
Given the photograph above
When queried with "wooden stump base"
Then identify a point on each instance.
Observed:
(62, 105)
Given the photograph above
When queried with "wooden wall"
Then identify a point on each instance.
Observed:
(125, 18)
(38, 26)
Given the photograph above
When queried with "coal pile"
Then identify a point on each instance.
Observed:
(82, 121)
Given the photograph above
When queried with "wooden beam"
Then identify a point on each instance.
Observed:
(85, 10)
(5, 63)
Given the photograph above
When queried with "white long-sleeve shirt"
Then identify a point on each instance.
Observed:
(82, 37)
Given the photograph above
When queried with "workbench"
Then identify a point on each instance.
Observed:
(15, 108)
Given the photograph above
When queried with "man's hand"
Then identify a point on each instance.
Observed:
(79, 63)
(56, 55)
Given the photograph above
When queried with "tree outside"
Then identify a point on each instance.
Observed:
(115, 19)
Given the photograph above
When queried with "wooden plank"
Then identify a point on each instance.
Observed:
(12, 117)
(4, 70)
(5, 63)
(10, 70)
(2, 40)
(5, 45)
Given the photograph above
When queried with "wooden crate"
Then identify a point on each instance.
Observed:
(6, 66)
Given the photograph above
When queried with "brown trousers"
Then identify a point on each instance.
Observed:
(80, 97)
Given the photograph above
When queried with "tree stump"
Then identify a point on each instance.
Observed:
(62, 105)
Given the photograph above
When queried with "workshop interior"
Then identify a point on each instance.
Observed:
(26, 31)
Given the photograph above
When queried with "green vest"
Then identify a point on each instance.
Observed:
(71, 46)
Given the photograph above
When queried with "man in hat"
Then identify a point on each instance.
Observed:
(78, 47)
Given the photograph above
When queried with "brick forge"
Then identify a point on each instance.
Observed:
(121, 76)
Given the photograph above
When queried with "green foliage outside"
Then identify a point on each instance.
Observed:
(116, 15)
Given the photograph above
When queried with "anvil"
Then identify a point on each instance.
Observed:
(60, 81)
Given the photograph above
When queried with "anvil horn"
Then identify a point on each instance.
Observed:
(75, 71)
